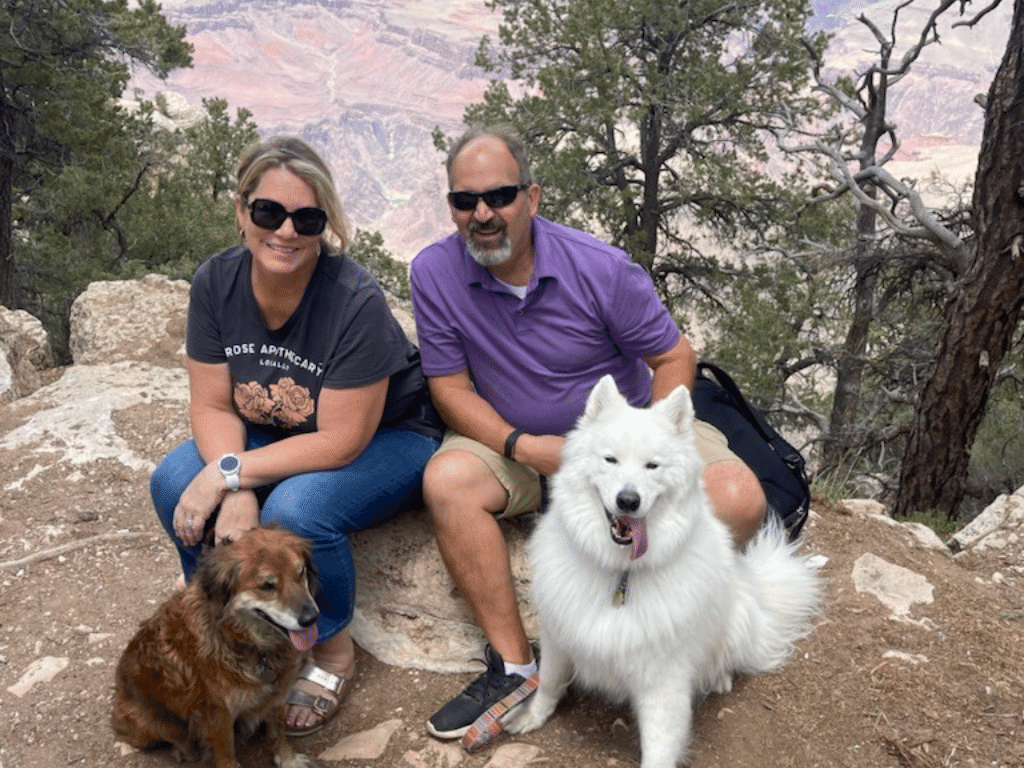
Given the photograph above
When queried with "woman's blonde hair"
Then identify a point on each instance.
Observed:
(301, 159)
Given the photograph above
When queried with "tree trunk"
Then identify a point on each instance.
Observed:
(8, 295)
(842, 443)
(984, 313)
(7, 292)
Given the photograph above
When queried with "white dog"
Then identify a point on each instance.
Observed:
(639, 590)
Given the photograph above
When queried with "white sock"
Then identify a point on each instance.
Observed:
(526, 670)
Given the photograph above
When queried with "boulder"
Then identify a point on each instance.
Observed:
(173, 111)
(24, 353)
(1000, 525)
(179, 110)
(923, 535)
(114, 321)
(408, 611)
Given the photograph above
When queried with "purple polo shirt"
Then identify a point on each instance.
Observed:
(588, 311)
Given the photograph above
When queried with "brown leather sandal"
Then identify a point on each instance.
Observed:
(323, 706)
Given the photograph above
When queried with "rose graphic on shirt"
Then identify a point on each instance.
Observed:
(286, 404)
(295, 404)
(254, 402)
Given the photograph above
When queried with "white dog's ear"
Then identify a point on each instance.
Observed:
(677, 408)
(604, 395)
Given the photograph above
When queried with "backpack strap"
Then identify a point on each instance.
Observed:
(785, 451)
(733, 389)
(795, 501)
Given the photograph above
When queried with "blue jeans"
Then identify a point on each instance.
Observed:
(322, 507)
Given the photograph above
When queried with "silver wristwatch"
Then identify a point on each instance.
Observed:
(229, 466)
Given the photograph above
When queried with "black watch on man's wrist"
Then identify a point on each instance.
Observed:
(510, 444)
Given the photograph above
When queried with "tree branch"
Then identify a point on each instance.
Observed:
(979, 16)
(47, 554)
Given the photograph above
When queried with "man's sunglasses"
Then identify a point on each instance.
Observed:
(495, 198)
(270, 214)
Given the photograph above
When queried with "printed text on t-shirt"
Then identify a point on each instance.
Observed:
(287, 357)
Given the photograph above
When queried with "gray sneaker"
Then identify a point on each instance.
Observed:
(453, 719)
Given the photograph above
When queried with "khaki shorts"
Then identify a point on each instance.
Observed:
(526, 491)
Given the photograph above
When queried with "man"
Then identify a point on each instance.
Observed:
(517, 319)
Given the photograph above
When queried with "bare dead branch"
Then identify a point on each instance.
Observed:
(47, 554)
(797, 408)
(979, 16)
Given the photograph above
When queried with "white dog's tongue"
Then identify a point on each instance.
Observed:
(638, 533)
(304, 639)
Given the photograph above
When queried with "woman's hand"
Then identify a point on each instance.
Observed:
(197, 504)
(239, 512)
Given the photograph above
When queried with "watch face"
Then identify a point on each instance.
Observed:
(229, 463)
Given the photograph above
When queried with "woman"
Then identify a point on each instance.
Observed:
(307, 403)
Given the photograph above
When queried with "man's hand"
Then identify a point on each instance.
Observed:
(541, 452)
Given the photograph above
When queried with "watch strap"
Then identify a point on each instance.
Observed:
(510, 444)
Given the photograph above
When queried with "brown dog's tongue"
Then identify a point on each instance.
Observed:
(638, 533)
(304, 639)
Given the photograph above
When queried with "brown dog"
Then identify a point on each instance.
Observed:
(225, 649)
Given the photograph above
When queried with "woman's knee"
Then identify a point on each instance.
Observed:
(162, 483)
(171, 477)
(289, 516)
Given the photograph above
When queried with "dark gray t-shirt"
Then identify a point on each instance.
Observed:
(342, 335)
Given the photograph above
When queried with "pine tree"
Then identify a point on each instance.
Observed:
(63, 63)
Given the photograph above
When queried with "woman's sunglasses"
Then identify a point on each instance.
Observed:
(495, 198)
(270, 214)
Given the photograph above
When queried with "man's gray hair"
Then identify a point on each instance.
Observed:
(516, 146)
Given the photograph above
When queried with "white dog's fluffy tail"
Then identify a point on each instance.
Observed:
(783, 594)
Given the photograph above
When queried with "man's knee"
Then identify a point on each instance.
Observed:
(737, 497)
(442, 470)
(459, 479)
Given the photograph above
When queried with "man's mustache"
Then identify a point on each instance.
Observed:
(485, 228)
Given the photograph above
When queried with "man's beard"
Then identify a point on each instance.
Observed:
(488, 257)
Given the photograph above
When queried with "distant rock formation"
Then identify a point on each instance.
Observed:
(374, 123)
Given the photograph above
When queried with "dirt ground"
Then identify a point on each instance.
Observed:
(82, 561)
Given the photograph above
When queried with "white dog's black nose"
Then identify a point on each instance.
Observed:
(628, 500)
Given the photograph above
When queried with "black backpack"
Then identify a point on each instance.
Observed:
(780, 467)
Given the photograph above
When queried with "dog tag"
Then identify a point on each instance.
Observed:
(621, 591)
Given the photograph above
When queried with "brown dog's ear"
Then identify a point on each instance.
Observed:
(311, 575)
(306, 550)
(218, 575)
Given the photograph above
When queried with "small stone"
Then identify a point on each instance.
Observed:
(39, 671)
(365, 745)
